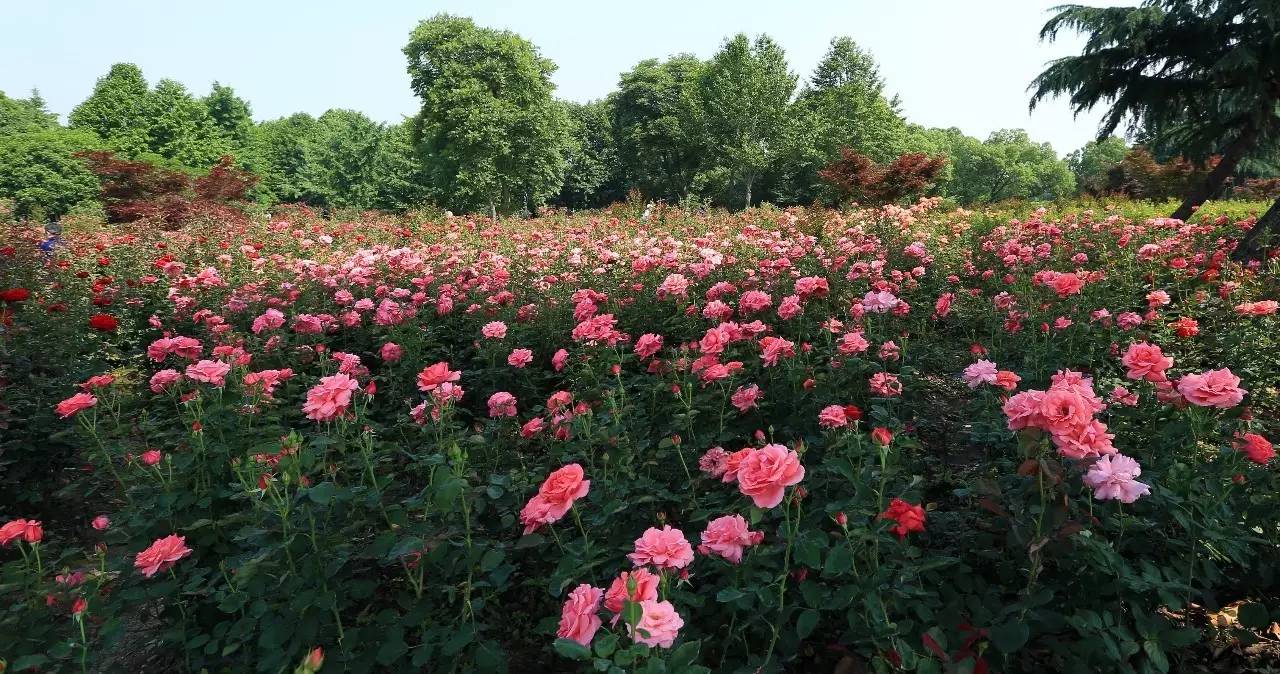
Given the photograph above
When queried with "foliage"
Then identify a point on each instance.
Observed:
(117, 110)
(398, 174)
(592, 172)
(1006, 165)
(1092, 164)
(1140, 176)
(492, 134)
(231, 115)
(39, 170)
(745, 90)
(339, 158)
(657, 117)
(24, 115)
(856, 177)
(842, 106)
(137, 190)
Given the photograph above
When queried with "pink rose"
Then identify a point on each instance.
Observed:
(1146, 361)
(578, 619)
(161, 555)
(390, 352)
(727, 536)
(1215, 388)
(767, 472)
(646, 588)
(665, 548)
(659, 624)
(563, 487)
(75, 404)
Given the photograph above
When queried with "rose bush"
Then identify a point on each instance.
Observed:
(901, 439)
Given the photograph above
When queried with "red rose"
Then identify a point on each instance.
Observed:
(103, 322)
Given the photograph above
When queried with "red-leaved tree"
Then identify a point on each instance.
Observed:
(856, 177)
(139, 190)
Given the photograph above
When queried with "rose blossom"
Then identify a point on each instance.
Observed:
(665, 548)
(162, 554)
(75, 404)
(767, 472)
(727, 536)
(1146, 361)
(578, 619)
(1112, 477)
(1215, 388)
(646, 588)
(659, 624)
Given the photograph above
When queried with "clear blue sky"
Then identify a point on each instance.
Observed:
(963, 63)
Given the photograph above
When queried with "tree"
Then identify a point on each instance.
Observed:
(591, 176)
(1007, 165)
(398, 173)
(1093, 163)
(842, 106)
(491, 133)
(231, 116)
(117, 110)
(39, 170)
(1202, 75)
(278, 153)
(338, 171)
(855, 176)
(657, 118)
(179, 127)
(20, 115)
(745, 91)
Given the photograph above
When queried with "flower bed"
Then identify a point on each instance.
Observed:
(896, 439)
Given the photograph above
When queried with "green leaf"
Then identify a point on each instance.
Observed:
(491, 560)
(1157, 656)
(27, 662)
(1010, 636)
(806, 623)
(1254, 616)
(322, 493)
(729, 594)
(684, 655)
(839, 560)
(571, 649)
(605, 645)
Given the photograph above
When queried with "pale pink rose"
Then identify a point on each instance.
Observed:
(665, 548)
(727, 536)
(767, 472)
(559, 360)
(330, 398)
(578, 619)
(209, 371)
(879, 302)
(979, 373)
(712, 463)
(648, 344)
(1146, 361)
(163, 379)
(518, 358)
(536, 514)
(659, 624)
(832, 416)
(494, 330)
(1113, 477)
(1215, 388)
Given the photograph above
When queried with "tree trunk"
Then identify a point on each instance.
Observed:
(493, 211)
(1267, 227)
(1213, 182)
(750, 179)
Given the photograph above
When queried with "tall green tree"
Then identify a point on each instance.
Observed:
(1006, 165)
(40, 172)
(398, 173)
(117, 110)
(278, 154)
(340, 155)
(1092, 164)
(493, 136)
(746, 88)
(231, 115)
(18, 115)
(657, 119)
(1202, 75)
(591, 175)
(842, 106)
(179, 127)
